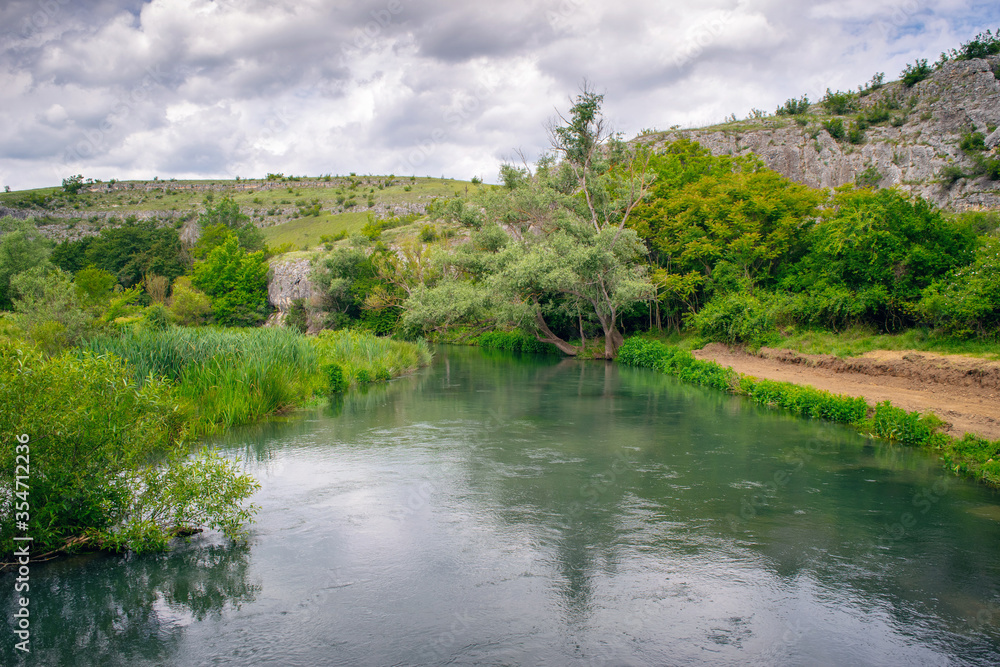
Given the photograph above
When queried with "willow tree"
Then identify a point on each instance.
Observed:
(555, 241)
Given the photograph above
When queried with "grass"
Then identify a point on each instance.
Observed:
(305, 233)
(236, 376)
(857, 341)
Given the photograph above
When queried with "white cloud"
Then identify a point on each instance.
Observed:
(225, 87)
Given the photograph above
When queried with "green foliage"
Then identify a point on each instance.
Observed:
(835, 127)
(22, 247)
(236, 283)
(128, 252)
(972, 142)
(336, 377)
(794, 107)
(715, 224)
(966, 302)
(189, 306)
(983, 45)
(297, 317)
(915, 73)
(109, 461)
(872, 254)
(951, 174)
(74, 184)
(839, 103)
(456, 210)
(48, 309)
(94, 285)
(375, 226)
(869, 178)
(736, 317)
(222, 217)
(513, 341)
(856, 132)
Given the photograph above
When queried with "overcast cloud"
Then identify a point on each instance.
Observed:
(200, 88)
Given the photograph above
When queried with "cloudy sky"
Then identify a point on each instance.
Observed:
(222, 88)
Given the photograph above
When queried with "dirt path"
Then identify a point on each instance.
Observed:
(963, 391)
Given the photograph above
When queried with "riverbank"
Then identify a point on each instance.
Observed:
(963, 391)
(971, 455)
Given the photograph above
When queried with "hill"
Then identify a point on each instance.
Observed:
(910, 137)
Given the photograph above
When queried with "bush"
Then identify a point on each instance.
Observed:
(794, 107)
(336, 377)
(915, 73)
(189, 306)
(109, 459)
(513, 341)
(839, 103)
(835, 127)
(734, 318)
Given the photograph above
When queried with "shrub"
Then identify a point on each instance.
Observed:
(915, 73)
(835, 127)
(794, 107)
(513, 341)
(839, 103)
(109, 460)
(733, 318)
(336, 377)
(972, 142)
(189, 306)
(297, 317)
(869, 178)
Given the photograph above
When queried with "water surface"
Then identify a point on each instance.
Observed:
(504, 510)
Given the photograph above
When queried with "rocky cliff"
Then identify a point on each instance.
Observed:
(932, 116)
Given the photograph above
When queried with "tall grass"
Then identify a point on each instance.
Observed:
(237, 376)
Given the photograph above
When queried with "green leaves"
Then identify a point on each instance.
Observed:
(236, 282)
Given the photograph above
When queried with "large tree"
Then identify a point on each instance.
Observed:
(564, 250)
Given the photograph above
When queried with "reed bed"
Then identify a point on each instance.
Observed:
(237, 376)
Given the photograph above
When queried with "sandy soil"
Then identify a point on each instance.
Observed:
(963, 391)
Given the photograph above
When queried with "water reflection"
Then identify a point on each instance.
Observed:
(518, 510)
(111, 610)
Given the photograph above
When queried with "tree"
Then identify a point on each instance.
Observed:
(556, 246)
(222, 218)
(236, 282)
(22, 247)
(48, 308)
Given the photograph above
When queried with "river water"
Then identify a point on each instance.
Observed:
(505, 510)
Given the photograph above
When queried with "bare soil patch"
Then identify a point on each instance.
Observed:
(963, 391)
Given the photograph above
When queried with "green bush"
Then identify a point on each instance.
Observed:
(737, 317)
(109, 459)
(336, 377)
(514, 341)
(839, 103)
(915, 73)
(794, 107)
(835, 127)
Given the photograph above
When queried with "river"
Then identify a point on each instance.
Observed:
(503, 510)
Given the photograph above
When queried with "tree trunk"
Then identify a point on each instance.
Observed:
(546, 336)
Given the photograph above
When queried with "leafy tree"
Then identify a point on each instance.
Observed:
(48, 308)
(718, 224)
(22, 247)
(236, 282)
(915, 73)
(110, 462)
(555, 246)
(189, 306)
(135, 249)
(882, 250)
(966, 302)
(94, 285)
(224, 217)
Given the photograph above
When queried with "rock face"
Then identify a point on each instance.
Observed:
(959, 98)
(287, 281)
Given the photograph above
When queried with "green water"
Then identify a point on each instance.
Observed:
(503, 510)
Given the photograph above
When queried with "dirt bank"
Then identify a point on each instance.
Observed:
(963, 391)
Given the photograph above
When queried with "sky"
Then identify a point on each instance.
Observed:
(136, 89)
